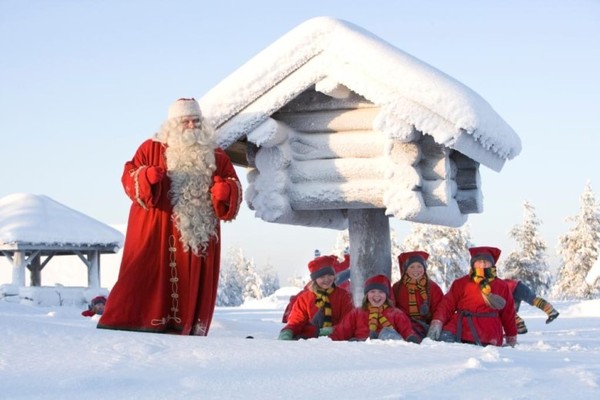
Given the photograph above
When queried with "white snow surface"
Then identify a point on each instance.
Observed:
(55, 353)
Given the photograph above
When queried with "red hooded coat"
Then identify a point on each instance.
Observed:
(150, 294)
(355, 325)
(435, 296)
(490, 325)
(304, 309)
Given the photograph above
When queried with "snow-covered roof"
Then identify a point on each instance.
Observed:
(328, 53)
(29, 219)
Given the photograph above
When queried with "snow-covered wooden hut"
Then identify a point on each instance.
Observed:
(341, 129)
(35, 228)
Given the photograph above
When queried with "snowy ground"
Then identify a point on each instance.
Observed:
(55, 353)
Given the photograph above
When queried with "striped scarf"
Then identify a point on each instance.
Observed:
(324, 305)
(483, 277)
(414, 287)
(376, 318)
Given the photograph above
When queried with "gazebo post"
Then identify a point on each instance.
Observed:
(370, 247)
(18, 270)
(93, 269)
(35, 270)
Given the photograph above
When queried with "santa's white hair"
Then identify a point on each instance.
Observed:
(190, 163)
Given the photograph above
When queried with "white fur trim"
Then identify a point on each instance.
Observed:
(184, 107)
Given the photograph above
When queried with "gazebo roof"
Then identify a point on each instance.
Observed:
(37, 222)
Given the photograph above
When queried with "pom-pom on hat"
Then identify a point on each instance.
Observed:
(490, 254)
(321, 266)
(409, 257)
(184, 107)
(380, 282)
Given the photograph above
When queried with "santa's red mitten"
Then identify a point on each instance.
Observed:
(220, 189)
(154, 174)
(88, 313)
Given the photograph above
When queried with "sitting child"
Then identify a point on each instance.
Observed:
(96, 307)
(377, 318)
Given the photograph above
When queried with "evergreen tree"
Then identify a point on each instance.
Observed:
(298, 281)
(229, 293)
(251, 282)
(447, 247)
(270, 280)
(342, 243)
(395, 251)
(238, 280)
(579, 249)
(528, 263)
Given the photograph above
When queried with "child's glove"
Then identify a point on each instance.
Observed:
(220, 189)
(435, 330)
(511, 341)
(413, 339)
(154, 174)
(326, 331)
(286, 334)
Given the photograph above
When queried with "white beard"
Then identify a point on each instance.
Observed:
(190, 164)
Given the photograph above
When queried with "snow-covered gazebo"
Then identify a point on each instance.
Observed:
(35, 228)
(341, 129)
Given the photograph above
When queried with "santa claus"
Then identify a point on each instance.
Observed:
(181, 185)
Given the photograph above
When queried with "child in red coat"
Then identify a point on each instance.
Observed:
(416, 294)
(320, 306)
(478, 308)
(377, 318)
(96, 307)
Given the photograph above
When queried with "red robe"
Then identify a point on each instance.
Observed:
(435, 295)
(464, 294)
(355, 325)
(158, 289)
(304, 309)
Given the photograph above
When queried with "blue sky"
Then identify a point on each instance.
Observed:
(83, 83)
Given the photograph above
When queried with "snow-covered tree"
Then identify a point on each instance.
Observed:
(298, 281)
(270, 280)
(229, 293)
(238, 280)
(342, 243)
(579, 249)
(447, 247)
(395, 251)
(252, 282)
(528, 263)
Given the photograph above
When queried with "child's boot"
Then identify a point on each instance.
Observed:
(521, 327)
(547, 308)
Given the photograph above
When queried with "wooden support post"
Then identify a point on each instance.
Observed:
(35, 271)
(370, 247)
(18, 271)
(93, 269)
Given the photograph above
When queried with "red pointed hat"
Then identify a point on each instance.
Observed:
(322, 265)
(380, 282)
(485, 253)
(409, 257)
